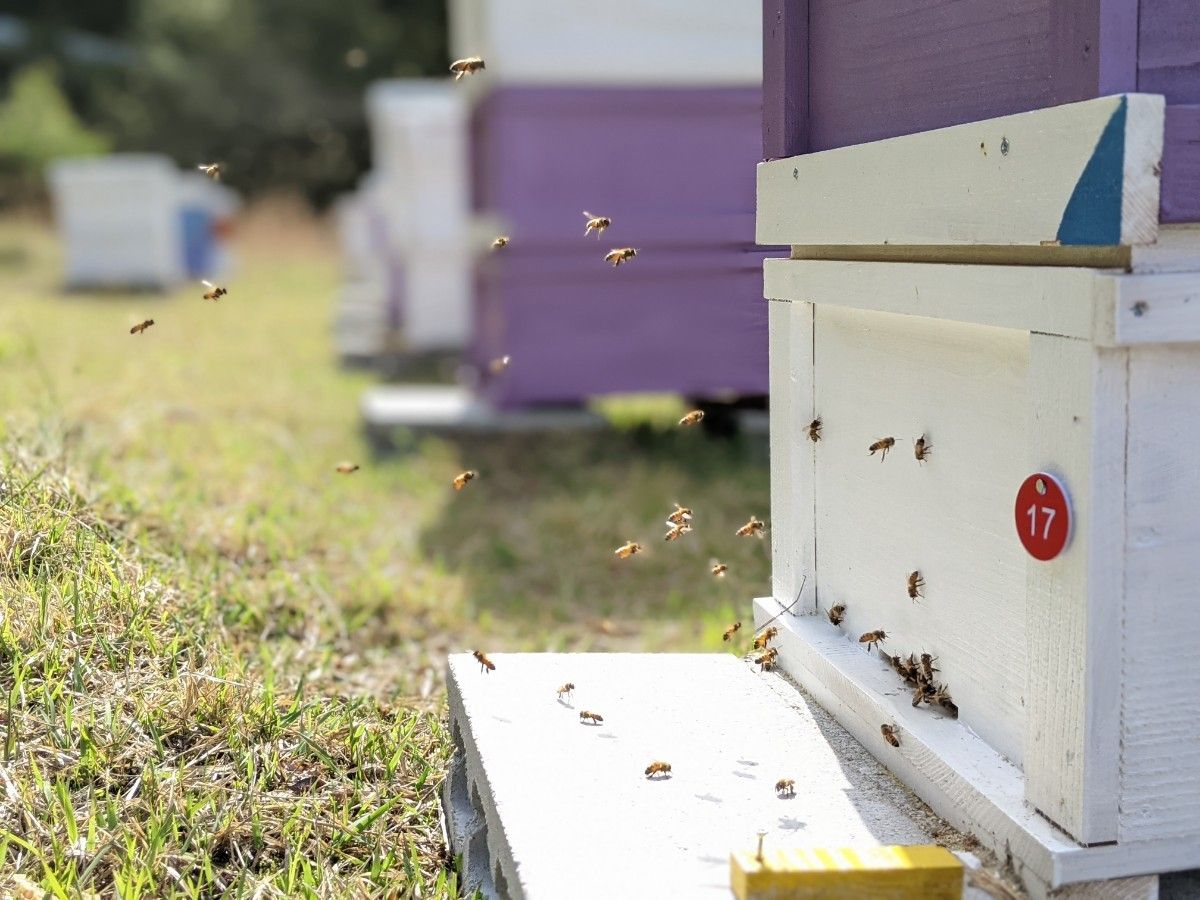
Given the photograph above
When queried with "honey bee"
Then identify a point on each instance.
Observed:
(731, 630)
(695, 417)
(765, 638)
(212, 170)
(873, 637)
(628, 549)
(658, 768)
(927, 666)
(620, 255)
(677, 531)
(468, 66)
(485, 664)
(922, 448)
(498, 365)
(753, 527)
(884, 444)
(596, 224)
(565, 689)
(814, 430)
(786, 787)
(500, 243)
(461, 479)
(141, 326)
(767, 660)
(921, 692)
(719, 569)
(594, 718)
(942, 697)
(889, 735)
(214, 292)
(915, 583)
(837, 613)
(347, 467)
(682, 514)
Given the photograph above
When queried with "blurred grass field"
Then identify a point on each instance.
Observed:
(223, 660)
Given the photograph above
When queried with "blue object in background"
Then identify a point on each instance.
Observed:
(199, 241)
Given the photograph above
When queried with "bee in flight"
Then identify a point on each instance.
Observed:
(786, 787)
(922, 448)
(889, 735)
(873, 637)
(594, 718)
(499, 364)
(461, 479)
(212, 170)
(814, 430)
(485, 664)
(719, 569)
(596, 224)
(731, 631)
(681, 515)
(765, 638)
(628, 549)
(468, 66)
(884, 444)
(566, 689)
(836, 613)
(695, 417)
(620, 255)
(915, 583)
(658, 768)
(347, 467)
(500, 243)
(214, 292)
(753, 527)
(141, 326)
(677, 531)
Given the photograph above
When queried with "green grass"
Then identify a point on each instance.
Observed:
(222, 662)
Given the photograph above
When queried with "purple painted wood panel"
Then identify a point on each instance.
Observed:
(1169, 49)
(1181, 161)
(674, 169)
(785, 78)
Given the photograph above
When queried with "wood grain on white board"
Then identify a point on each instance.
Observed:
(1157, 309)
(1039, 177)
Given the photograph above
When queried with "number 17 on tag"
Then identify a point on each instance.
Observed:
(1043, 516)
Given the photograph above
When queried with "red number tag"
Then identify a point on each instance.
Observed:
(1043, 516)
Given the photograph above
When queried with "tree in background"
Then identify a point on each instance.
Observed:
(273, 88)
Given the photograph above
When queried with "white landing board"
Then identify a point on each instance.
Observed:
(451, 408)
(542, 806)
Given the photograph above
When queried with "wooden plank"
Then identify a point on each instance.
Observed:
(1077, 433)
(1093, 49)
(964, 387)
(1080, 174)
(1043, 299)
(785, 78)
(1176, 250)
(1180, 200)
(974, 254)
(1157, 309)
(1169, 50)
(1160, 756)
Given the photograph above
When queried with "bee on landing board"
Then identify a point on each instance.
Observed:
(873, 637)
(141, 326)
(620, 255)
(658, 768)
(468, 66)
(719, 569)
(461, 479)
(837, 613)
(941, 697)
(212, 170)
(677, 531)
(814, 430)
(915, 583)
(884, 444)
(587, 716)
(498, 365)
(767, 660)
(731, 631)
(927, 666)
(682, 514)
(922, 448)
(628, 549)
(695, 417)
(500, 243)
(566, 689)
(345, 468)
(786, 787)
(596, 224)
(214, 292)
(765, 638)
(889, 735)
(753, 527)
(485, 664)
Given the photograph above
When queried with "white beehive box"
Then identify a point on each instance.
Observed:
(118, 220)
(1075, 748)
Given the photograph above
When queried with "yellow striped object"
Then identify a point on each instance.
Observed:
(922, 872)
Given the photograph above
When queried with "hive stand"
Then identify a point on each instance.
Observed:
(1003, 288)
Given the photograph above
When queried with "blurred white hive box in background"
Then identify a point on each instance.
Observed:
(619, 42)
(136, 220)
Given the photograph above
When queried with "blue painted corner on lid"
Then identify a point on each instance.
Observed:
(1093, 214)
